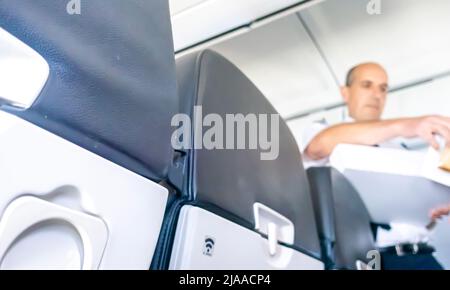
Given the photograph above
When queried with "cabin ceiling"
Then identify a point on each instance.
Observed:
(300, 60)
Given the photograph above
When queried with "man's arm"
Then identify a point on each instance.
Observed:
(375, 132)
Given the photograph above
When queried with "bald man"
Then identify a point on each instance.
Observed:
(365, 94)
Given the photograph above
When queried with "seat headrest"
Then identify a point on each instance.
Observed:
(235, 179)
(112, 86)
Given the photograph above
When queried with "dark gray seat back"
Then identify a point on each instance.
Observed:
(112, 85)
(233, 180)
(343, 220)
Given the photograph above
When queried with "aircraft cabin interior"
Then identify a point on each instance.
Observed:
(116, 149)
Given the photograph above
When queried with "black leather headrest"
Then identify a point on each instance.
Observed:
(235, 179)
(112, 86)
(343, 219)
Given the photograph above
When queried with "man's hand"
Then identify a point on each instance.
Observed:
(439, 212)
(427, 127)
(376, 132)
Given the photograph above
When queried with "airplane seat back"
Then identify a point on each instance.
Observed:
(235, 180)
(95, 144)
(111, 90)
(343, 219)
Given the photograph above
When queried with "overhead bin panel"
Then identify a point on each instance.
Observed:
(194, 21)
(423, 99)
(409, 37)
(178, 6)
(282, 61)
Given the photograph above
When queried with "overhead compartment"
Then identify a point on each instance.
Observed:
(426, 98)
(194, 21)
(178, 6)
(284, 64)
(408, 37)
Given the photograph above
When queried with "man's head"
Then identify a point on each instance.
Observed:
(365, 91)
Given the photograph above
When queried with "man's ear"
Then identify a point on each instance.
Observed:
(345, 94)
